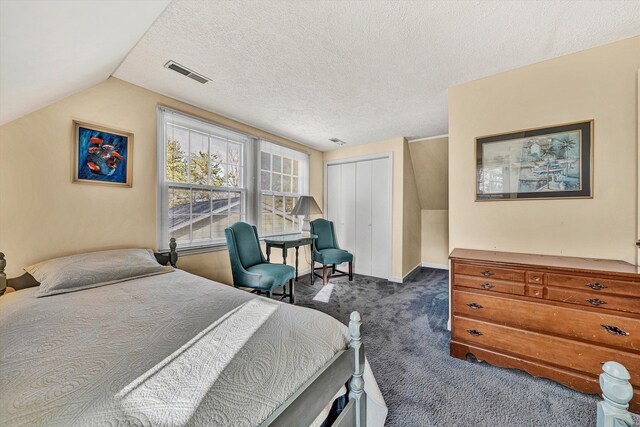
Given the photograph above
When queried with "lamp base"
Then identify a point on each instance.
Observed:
(306, 226)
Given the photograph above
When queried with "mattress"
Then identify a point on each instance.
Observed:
(173, 349)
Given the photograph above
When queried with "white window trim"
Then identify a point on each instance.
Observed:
(162, 230)
(251, 191)
(303, 183)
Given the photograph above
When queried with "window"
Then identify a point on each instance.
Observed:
(284, 175)
(210, 177)
(202, 180)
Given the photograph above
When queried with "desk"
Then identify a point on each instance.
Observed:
(290, 241)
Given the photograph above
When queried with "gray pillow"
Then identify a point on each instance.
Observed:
(93, 269)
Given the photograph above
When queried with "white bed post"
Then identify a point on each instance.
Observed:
(616, 392)
(3, 275)
(356, 385)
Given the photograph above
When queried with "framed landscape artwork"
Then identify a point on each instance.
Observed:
(544, 163)
(101, 155)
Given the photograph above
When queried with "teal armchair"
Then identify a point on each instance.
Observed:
(327, 252)
(249, 267)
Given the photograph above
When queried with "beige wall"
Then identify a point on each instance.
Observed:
(412, 219)
(430, 158)
(44, 215)
(435, 237)
(599, 84)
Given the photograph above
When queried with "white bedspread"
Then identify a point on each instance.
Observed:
(174, 349)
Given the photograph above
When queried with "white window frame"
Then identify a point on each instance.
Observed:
(251, 174)
(303, 180)
(164, 115)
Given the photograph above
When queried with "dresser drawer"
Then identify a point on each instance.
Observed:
(564, 352)
(489, 284)
(489, 272)
(590, 284)
(599, 327)
(594, 299)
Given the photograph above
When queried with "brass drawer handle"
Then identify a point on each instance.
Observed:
(474, 306)
(474, 332)
(614, 330)
(488, 273)
(595, 301)
(596, 286)
(487, 286)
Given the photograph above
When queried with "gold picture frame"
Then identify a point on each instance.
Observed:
(102, 155)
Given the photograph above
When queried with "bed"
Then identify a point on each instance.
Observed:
(177, 349)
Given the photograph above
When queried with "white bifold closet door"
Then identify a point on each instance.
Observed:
(359, 204)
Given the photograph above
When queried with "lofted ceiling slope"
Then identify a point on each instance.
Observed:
(358, 71)
(51, 49)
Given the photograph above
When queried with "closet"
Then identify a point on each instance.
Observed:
(358, 201)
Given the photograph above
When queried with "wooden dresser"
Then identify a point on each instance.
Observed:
(554, 317)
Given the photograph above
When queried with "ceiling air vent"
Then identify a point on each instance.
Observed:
(337, 141)
(186, 72)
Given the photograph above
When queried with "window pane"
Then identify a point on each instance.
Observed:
(286, 184)
(218, 150)
(277, 163)
(179, 214)
(294, 185)
(286, 165)
(265, 161)
(177, 145)
(236, 207)
(267, 214)
(220, 202)
(278, 214)
(265, 181)
(234, 176)
(218, 175)
(289, 203)
(276, 182)
(201, 215)
(219, 223)
(235, 154)
(295, 167)
(199, 158)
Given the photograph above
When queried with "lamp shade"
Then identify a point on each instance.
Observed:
(306, 205)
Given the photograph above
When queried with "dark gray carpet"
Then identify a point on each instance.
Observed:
(407, 344)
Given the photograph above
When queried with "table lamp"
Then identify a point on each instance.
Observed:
(306, 205)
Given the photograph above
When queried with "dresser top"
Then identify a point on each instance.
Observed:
(621, 268)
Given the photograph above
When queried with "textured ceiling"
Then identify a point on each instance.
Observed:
(358, 71)
(51, 49)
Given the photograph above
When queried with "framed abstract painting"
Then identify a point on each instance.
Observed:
(101, 155)
(544, 163)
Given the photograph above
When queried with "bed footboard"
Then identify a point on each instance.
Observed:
(616, 393)
(347, 366)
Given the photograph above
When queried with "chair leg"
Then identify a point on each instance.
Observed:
(333, 269)
(268, 294)
(292, 298)
(325, 279)
(313, 271)
(351, 271)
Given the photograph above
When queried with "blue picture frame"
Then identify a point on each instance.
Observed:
(102, 155)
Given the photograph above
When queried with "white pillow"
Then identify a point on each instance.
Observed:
(93, 269)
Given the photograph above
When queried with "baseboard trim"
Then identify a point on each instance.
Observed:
(436, 266)
(397, 279)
